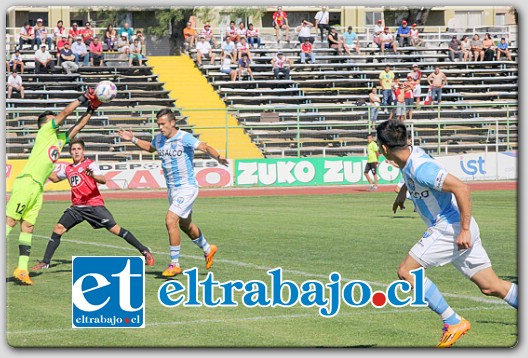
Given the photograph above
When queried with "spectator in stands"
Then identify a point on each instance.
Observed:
(416, 40)
(244, 67)
(455, 49)
(207, 32)
(437, 80)
(58, 32)
(16, 63)
(403, 35)
(80, 51)
(74, 32)
(350, 41)
(378, 30)
(307, 50)
(465, 45)
(141, 38)
(27, 36)
(87, 33)
(375, 102)
(110, 38)
(129, 30)
(229, 47)
(190, 36)
(393, 98)
(225, 66)
(304, 32)
(322, 21)
(386, 78)
(14, 83)
(502, 49)
(41, 34)
(387, 41)
(280, 22)
(96, 52)
(135, 53)
(281, 65)
(400, 102)
(67, 59)
(243, 47)
(241, 32)
(253, 36)
(408, 94)
(476, 48)
(123, 46)
(416, 76)
(43, 61)
(231, 31)
(204, 51)
(488, 46)
(334, 41)
(62, 42)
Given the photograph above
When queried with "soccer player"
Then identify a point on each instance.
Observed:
(372, 162)
(26, 195)
(176, 151)
(452, 236)
(88, 205)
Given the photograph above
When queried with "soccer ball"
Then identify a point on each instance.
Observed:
(106, 91)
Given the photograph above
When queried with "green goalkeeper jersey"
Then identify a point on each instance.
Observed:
(46, 151)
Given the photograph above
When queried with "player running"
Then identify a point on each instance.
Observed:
(87, 205)
(444, 203)
(26, 195)
(176, 151)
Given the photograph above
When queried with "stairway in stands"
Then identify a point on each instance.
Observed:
(207, 112)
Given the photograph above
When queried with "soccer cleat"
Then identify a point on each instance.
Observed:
(22, 276)
(210, 256)
(451, 333)
(40, 266)
(171, 271)
(149, 259)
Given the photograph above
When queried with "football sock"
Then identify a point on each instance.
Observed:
(8, 230)
(53, 244)
(202, 243)
(175, 255)
(511, 297)
(24, 248)
(131, 239)
(438, 304)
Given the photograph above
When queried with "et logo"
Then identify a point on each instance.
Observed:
(108, 292)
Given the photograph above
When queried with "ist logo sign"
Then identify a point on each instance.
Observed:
(108, 292)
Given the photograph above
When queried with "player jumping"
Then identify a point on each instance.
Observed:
(26, 195)
(176, 151)
(444, 203)
(88, 205)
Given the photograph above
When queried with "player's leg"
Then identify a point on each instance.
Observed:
(198, 238)
(491, 285)
(171, 221)
(131, 239)
(366, 173)
(375, 173)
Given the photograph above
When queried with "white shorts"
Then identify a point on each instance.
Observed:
(181, 200)
(438, 247)
(418, 91)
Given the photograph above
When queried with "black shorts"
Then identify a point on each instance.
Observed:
(371, 167)
(97, 216)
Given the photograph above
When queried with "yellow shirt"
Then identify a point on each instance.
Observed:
(386, 79)
(372, 150)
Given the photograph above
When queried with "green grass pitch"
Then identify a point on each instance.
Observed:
(308, 236)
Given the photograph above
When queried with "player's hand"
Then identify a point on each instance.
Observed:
(464, 240)
(126, 135)
(94, 101)
(398, 203)
(88, 172)
(223, 161)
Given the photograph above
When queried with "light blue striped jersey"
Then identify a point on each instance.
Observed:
(424, 177)
(177, 154)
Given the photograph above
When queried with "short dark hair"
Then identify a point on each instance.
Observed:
(166, 111)
(393, 134)
(42, 117)
(77, 141)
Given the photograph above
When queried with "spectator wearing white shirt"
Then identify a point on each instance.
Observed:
(16, 62)
(281, 64)
(225, 66)
(43, 60)
(14, 83)
(80, 51)
(123, 46)
(322, 21)
(243, 48)
(204, 51)
(253, 36)
(241, 32)
(229, 47)
(59, 31)
(378, 30)
(304, 31)
(41, 34)
(135, 53)
(387, 41)
(27, 36)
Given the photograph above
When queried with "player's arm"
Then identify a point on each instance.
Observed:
(212, 153)
(54, 178)
(462, 194)
(399, 202)
(89, 96)
(140, 143)
(94, 172)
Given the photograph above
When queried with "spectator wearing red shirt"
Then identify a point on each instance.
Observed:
(408, 95)
(74, 32)
(307, 49)
(59, 31)
(253, 36)
(280, 22)
(87, 34)
(231, 31)
(62, 41)
(96, 52)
